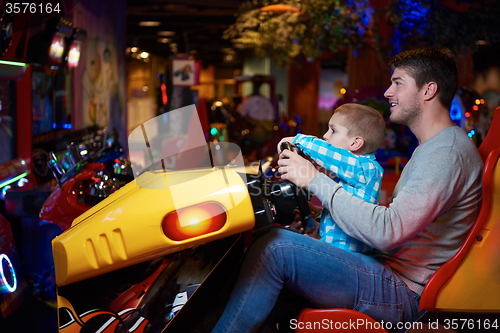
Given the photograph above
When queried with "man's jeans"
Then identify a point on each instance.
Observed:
(326, 276)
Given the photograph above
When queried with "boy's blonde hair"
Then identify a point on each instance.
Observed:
(364, 121)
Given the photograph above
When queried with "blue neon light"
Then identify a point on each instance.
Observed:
(21, 182)
(3, 191)
(457, 111)
(6, 286)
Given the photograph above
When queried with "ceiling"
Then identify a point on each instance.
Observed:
(198, 27)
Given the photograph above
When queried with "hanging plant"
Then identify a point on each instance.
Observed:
(293, 28)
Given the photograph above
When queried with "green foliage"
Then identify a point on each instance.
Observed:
(321, 25)
(333, 25)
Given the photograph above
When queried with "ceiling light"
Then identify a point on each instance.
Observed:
(163, 40)
(134, 49)
(149, 23)
(166, 33)
(144, 55)
(227, 50)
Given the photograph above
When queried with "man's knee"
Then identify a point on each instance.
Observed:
(266, 242)
(272, 236)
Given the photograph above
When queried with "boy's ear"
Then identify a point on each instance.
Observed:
(357, 143)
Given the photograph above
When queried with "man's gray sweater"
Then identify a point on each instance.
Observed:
(434, 205)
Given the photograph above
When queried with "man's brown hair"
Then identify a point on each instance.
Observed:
(430, 64)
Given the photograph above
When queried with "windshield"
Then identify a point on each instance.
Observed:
(175, 141)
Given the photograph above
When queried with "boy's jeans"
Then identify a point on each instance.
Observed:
(321, 273)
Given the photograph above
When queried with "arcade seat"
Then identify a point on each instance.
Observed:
(473, 270)
(492, 138)
(476, 263)
(335, 319)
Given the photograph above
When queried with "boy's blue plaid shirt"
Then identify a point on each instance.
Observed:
(360, 175)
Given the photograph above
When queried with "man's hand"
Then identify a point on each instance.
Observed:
(297, 225)
(296, 169)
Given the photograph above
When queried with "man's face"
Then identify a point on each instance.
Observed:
(403, 96)
(337, 133)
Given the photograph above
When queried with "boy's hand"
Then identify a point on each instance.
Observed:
(285, 139)
(296, 169)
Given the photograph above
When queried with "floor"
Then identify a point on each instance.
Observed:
(33, 316)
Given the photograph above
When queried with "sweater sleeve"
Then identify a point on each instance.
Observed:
(425, 191)
(359, 172)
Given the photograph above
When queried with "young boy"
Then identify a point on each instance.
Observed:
(355, 132)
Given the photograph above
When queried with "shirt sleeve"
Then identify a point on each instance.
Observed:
(361, 173)
(316, 148)
(334, 159)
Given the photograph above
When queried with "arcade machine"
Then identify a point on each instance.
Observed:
(257, 81)
(47, 52)
(131, 262)
(261, 127)
(15, 154)
(160, 254)
(50, 54)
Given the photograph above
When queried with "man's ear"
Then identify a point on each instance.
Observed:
(357, 143)
(431, 90)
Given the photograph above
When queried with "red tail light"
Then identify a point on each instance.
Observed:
(194, 221)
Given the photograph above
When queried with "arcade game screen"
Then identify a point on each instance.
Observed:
(50, 103)
(7, 149)
(43, 103)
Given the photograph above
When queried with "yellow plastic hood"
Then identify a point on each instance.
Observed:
(156, 214)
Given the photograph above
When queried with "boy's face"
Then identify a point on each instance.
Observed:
(337, 133)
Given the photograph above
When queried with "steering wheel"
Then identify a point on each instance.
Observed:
(300, 197)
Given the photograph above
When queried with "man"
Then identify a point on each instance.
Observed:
(434, 205)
